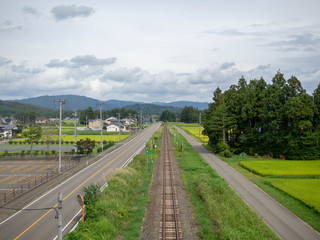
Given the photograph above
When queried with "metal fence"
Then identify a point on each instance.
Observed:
(34, 182)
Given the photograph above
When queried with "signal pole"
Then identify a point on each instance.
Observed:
(61, 102)
(101, 122)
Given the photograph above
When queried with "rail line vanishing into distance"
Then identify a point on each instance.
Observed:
(171, 226)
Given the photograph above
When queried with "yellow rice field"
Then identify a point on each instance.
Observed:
(193, 129)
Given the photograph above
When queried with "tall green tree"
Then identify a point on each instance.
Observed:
(32, 134)
(189, 115)
(49, 133)
(218, 120)
(167, 116)
(86, 115)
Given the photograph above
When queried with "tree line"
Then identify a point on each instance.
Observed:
(188, 114)
(276, 119)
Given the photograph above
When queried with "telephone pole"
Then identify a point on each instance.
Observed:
(61, 102)
(200, 127)
(130, 122)
(119, 127)
(75, 130)
(101, 122)
(59, 213)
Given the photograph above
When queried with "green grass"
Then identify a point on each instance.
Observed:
(306, 213)
(283, 167)
(305, 190)
(119, 211)
(220, 212)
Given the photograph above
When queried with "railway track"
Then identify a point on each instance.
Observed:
(170, 224)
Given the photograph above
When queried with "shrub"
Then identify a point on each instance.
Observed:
(226, 153)
(22, 153)
(243, 154)
(10, 142)
(92, 193)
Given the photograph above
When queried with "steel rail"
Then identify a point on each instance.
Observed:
(174, 206)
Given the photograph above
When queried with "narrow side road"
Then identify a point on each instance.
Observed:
(37, 220)
(287, 225)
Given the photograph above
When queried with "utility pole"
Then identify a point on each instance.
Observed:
(200, 127)
(130, 122)
(59, 213)
(75, 130)
(140, 119)
(61, 102)
(119, 127)
(101, 122)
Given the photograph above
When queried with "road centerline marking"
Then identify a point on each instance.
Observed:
(34, 223)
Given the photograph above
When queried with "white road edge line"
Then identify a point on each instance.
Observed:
(105, 185)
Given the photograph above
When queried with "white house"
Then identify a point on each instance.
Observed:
(7, 131)
(115, 128)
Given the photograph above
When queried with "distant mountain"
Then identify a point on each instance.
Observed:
(75, 102)
(182, 104)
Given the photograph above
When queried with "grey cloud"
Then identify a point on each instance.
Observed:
(122, 75)
(4, 61)
(227, 65)
(25, 70)
(247, 31)
(30, 10)
(304, 42)
(8, 26)
(55, 63)
(90, 60)
(63, 12)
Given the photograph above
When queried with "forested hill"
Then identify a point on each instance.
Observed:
(15, 109)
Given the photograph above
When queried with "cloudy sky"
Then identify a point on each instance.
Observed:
(154, 50)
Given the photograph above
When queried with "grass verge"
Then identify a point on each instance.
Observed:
(119, 211)
(220, 212)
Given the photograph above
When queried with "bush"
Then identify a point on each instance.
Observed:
(92, 193)
(22, 153)
(221, 146)
(10, 142)
(243, 154)
(226, 153)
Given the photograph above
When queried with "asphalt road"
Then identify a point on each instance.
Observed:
(37, 220)
(284, 223)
